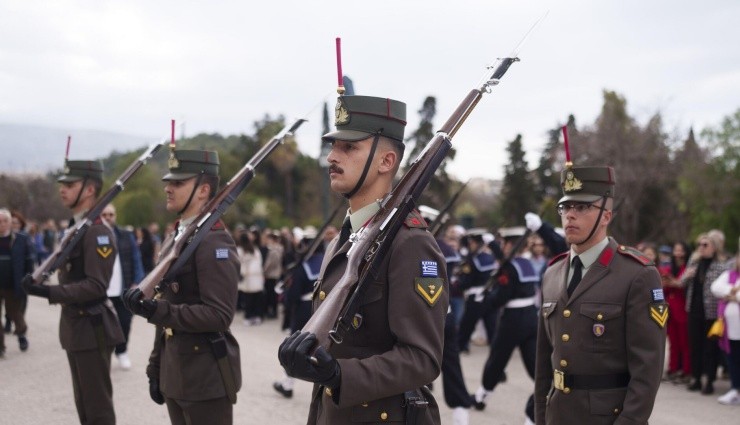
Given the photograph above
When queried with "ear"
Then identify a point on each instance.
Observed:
(204, 190)
(388, 161)
(606, 218)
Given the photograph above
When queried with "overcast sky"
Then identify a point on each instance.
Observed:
(130, 66)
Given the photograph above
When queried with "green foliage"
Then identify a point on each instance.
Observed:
(518, 195)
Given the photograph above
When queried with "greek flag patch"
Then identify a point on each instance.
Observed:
(222, 253)
(658, 295)
(103, 240)
(429, 269)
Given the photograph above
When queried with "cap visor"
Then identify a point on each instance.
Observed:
(581, 197)
(69, 179)
(178, 176)
(345, 135)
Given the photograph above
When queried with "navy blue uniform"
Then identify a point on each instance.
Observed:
(298, 298)
(474, 274)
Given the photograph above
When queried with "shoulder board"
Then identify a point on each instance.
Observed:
(218, 225)
(415, 221)
(558, 257)
(636, 255)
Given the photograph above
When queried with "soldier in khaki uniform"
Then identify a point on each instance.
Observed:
(194, 366)
(88, 328)
(396, 346)
(601, 336)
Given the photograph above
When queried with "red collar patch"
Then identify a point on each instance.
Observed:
(415, 221)
(558, 257)
(606, 256)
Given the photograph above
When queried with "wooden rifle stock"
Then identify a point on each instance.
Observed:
(73, 235)
(372, 242)
(187, 241)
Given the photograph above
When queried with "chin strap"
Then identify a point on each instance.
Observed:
(593, 230)
(352, 192)
(187, 204)
(79, 194)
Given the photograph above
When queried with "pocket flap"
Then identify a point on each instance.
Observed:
(388, 409)
(607, 402)
(548, 307)
(601, 311)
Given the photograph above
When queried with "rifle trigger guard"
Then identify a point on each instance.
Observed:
(334, 335)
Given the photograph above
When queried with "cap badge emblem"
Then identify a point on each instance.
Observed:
(341, 115)
(571, 182)
(172, 162)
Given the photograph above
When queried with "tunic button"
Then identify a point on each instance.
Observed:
(364, 404)
(599, 316)
(196, 348)
(566, 337)
(566, 390)
(566, 313)
(384, 416)
(327, 391)
(322, 295)
(616, 411)
(563, 363)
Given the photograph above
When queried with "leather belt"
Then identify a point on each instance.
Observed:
(567, 382)
(520, 302)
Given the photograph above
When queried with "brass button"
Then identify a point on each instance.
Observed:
(564, 363)
(616, 411)
(322, 295)
(196, 348)
(566, 313)
(364, 404)
(327, 391)
(566, 390)
(82, 313)
(565, 337)
(383, 416)
(599, 316)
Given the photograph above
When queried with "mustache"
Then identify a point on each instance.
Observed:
(335, 169)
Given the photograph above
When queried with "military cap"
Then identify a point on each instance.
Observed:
(185, 164)
(512, 232)
(310, 232)
(587, 184)
(358, 117)
(78, 169)
(429, 213)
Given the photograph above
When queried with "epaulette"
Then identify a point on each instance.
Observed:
(415, 221)
(635, 254)
(558, 257)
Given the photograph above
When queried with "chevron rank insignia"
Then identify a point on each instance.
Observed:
(659, 314)
(429, 288)
(104, 248)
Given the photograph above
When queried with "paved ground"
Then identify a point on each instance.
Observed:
(35, 386)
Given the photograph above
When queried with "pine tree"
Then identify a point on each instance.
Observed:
(518, 194)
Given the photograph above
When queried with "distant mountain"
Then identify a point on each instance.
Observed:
(36, 149)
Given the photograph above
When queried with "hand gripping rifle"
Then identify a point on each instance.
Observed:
(188, 240)
(436, 226)
(370, 245)
(75, 234)
(307, 253)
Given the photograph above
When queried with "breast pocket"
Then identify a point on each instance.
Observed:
(606, 326)
(370, 325)
(548, 308)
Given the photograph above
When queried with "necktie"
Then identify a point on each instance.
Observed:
(344, 234)
(576, 279)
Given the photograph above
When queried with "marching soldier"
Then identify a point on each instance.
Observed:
(88, 328)
(601, 338)
(514, 292)
(378, 374)
(194, 367)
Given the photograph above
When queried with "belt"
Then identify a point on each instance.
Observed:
(520, 302)
(307, 296)
(567, 382)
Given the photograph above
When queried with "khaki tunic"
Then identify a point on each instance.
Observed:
(200, 302)
(398, 345)
(604, 328)
(83, 282)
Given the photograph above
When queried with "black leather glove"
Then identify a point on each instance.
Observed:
(154, 392)
(295, 357)
(33, 289)
(134, 300)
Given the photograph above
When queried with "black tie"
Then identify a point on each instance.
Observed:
(71, 223)
(344, 234)
(576, 279)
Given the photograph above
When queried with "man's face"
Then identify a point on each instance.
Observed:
(346, 162)
(178, 192)
(4, 224)
(578, 218)
(109, 214)
(68, 192)
(330, 233)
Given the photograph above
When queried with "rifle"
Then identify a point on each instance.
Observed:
(305, 255)
(371, 243)
(514, 250)
(187, 241)
(440, 220)
(75, 234)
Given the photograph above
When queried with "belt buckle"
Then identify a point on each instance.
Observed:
(168, 333)
(558, 379)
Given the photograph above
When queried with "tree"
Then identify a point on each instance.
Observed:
(518, 195)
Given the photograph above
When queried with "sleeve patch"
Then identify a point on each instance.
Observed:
(658, 295)
(429, 269)
(429, 289)
(103, 240)
(659, 314)
(222, 253)
(104, 251)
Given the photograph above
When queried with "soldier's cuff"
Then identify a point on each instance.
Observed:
(159, 313)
